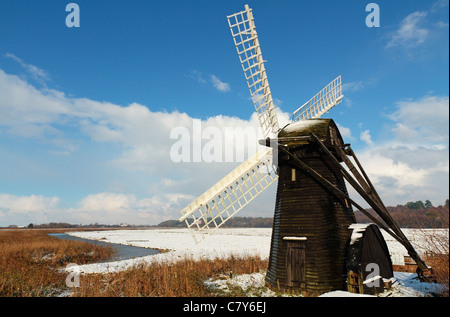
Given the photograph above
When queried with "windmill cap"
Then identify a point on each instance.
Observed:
(325, 129)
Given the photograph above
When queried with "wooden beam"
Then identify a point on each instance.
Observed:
(379, 208)
(336, 191)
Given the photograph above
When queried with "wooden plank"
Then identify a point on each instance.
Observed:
(313, 214)
(295, 263)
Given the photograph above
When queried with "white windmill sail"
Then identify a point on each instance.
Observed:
(228, 196)
(247, 45)
(321, 103)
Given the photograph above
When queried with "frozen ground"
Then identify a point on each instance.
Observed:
(221, 244)
(238, 242)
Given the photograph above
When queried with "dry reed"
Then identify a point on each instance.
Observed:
(437, 257)
(30, 259)
(180, 279)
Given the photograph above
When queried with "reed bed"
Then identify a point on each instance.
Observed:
(437, 257)
(180, 279)
(30, 261)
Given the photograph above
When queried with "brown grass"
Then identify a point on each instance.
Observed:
(437, 254)
(437, 257)
(184, 278)
(30, 259)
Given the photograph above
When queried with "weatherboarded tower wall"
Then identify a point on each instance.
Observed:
(311, 225)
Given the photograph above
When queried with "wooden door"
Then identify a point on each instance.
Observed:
(295, 263)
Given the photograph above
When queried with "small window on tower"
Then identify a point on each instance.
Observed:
(293, 176)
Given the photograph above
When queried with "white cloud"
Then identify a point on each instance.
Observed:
(22, 210)
(219, 85)
(24, 204)
(107, 202)
(412, 163)
(422, 121)
(213, 79)
(365, 136)
(420, 27)
(442, 25)
(439, 5)
(36, 73)
(115, 208)
(346, 133)
(410, 34)
(195, 74)
(149, 186)
(106, 207)
(353, 86)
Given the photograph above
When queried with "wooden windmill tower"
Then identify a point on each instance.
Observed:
(315, 245)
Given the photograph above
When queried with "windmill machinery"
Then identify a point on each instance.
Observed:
(315, 244)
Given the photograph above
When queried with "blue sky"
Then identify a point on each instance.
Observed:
(86, 113)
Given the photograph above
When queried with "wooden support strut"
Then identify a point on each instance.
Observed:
(334, 190)
(369, 194)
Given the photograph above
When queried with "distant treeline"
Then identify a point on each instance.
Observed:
(235, 222)
(411, 215)
(416, 214)
(65, 225)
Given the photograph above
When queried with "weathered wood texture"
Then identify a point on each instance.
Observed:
(295, 264)
(304, 208)
(368, 257)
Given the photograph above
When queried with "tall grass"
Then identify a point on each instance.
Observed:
(183, 278)
(436, 252)
(30, 259)
(30, 263)
(437, 257)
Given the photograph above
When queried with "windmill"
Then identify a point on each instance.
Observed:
(315, 245)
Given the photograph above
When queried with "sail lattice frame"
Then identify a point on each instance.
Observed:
(228, 196)
(321, 103)
(245, 38)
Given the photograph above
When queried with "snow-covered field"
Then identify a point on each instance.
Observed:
(238, 242)
(179, 242)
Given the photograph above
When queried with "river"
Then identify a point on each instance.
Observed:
(124, 252)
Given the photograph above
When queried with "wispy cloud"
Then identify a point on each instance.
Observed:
(366, 137)
(219, 85)
(423, 121)
(138, 137)
(358, 85)
(418, 27)
(442, 25)
(195, 74)
(439, 5)
(410, 33)
(213, 80)
(412, 159)
(36, 73)
(353, 86)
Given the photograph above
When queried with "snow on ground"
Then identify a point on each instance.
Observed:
(221, 244)
(423, 240)
(239, 242)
